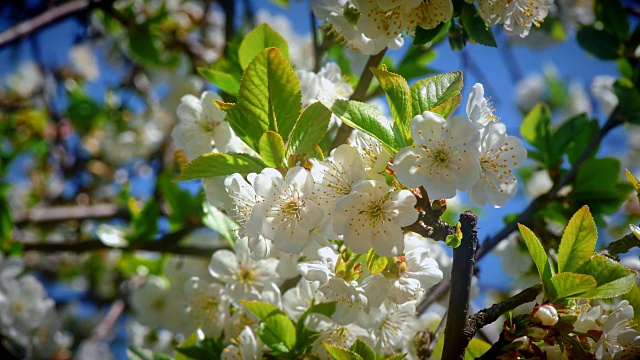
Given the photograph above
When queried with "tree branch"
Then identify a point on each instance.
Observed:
(455, 343)
(52, 214)
(359, 94)
(167, 244)
(621, 246)
(49, 17)
(487, 316)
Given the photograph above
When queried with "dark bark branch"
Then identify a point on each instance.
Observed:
(455, 343)
(487, 316)
(621, 246)
(49, 17)
(495, 349)
(53, 214)
(359, 94)
(167, 244)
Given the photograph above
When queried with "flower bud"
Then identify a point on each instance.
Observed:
(537, 333)
(544, 314)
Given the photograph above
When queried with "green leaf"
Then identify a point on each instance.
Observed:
(398, 356)
(225, 81)
(309, 130)
(83, 112)
(423, 36)
(570, 285)
(183, 206)
(628, 100)
(633, 297)
(613, 279)
(192, 348)
(365, 351)
(578, 241)
(632, 179)
(572, 137)
(272, 149)
(219, 222)
(6, 222)
(262, 37)
(476, 348)
(399, 98)
(364, 118)
(439, 94)
(278, 330)
(147, 45)
(304, 335)
(613, 17)
(339, 353)
(537, 253)
(144, 224)
(454, 240)
(599, 43)
(598, 185)
(536, 129)
(475, 26)
(269, 98)
(376, 263)
(219, 164)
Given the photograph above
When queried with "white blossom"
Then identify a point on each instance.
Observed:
(602, 90)
(288, 211)
(391, 322)
(499, 155)
(243, 277)
(545, 314)
(517, 16)
(349, 295)
(479, 109)
(342, 16)
(243, 347)
(375, 157)
(372, 216)
(445, 157)
(412, 275)
(207, 304)
(297, 300)
(326, 83)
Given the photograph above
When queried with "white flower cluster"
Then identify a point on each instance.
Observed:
(462, 153)
(516, 16)
(28, 317)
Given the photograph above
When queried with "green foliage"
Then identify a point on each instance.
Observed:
(399, 99)
(568, 285)
(144, 222)
(578, 241)
(184, 207)
(613, 17)
(309, 130)
(262, 37)
(272, 149)
(454, 240)
(376, 263)
(536, 129)
(365, 118)
(538, 254)
(192, 348)
(414, 63)
(439, 94)
(628, 100)
(582, 273)
(476, 28)
(276, 330)
(603, 45)
(269, 99)
(423, 36)
(219, 164)
(84, 113)
(598, 185)
(613, 279)
(224, 80)
(6, 223)
(358, 351)
(305, 337)
(219, 222)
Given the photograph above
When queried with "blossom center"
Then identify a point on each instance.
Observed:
(375, 211)
(440, 158)
(292, 209)
(246, 276)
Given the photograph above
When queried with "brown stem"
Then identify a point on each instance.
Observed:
(495, 349)
(49, 17)
(359, 94)
(487, 316)
(621, 246)
(455, 343)
(167, 244)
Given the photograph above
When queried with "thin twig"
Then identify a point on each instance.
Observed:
(167, 244)
(52, 214)
(487, 316)
(436, 335)
(359, 94)
(621, 246)
(49, 17)
(455, 343)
